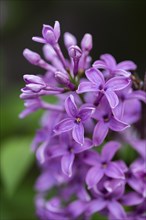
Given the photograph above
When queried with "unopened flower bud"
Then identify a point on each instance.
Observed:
(34, 83)
(51, 35)
(31, 56)
(61, 77)
(75, 52)
(86, 42)
(49, 52)
(33, 79)
(69, 40)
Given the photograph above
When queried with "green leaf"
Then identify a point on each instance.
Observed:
(16, 160)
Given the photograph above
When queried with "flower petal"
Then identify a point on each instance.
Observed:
(127, 65)
(66, 163)
(78, 133)
(120, 72)
(117, 83)
(87, 145)
(100, 132)
(45, 182)
(87, 87)
(33, 79)
(117, 125)
(99, 64)
(69, 39)
(112, 98)
(40, 153)
(93, 176)
(112, 170)
(112, 185)
(141, 95)
(76, 208)
(34, 87)
(96, 206)
(135, 183)
(109, 150)
(109, 60)
(116, 210)
(95, 76)
(64, 125)
(57, 30)
(85, 113)
(55, 151)
(71, 107)
(132, 198)
(92, 158)
(39, 40)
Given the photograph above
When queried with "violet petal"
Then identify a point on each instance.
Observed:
(100, 132)
(78, 133)
(94, 175)
(39, 40)
(64, 125)
(109, 60)
(71, 107)
(117, 125)
(112, 98)
(127, 65)
(131, 199)
(85, 113)
(66, 163)
(117, 83)
(109, 150)
(95, 76)
(96, 206)
(116, 210)
(112, 170)
(87, 87)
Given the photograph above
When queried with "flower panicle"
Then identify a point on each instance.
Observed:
(82, 135)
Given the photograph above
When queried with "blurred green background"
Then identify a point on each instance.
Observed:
(118, 27)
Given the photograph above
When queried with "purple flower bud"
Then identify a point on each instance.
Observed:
(61, 77)
(75, 52)
(31, 56)
(51, 35)
(34, 83)
(69, 40)
(35, 59)
(49, 52)
(33, 79)
(86, 42)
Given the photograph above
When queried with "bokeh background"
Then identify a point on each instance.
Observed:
(118, 27)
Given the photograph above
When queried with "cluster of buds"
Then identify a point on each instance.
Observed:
(81, 136)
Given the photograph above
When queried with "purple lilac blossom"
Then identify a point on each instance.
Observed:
(75, 120)
(79, 142)
(97, 84)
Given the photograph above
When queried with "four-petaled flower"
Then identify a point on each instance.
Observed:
(105, 120)
(68, 151)
(108, 63)
(74, 121)
(97, 84)
(102, 165)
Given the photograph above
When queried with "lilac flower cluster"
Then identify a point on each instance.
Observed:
(81, 136)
